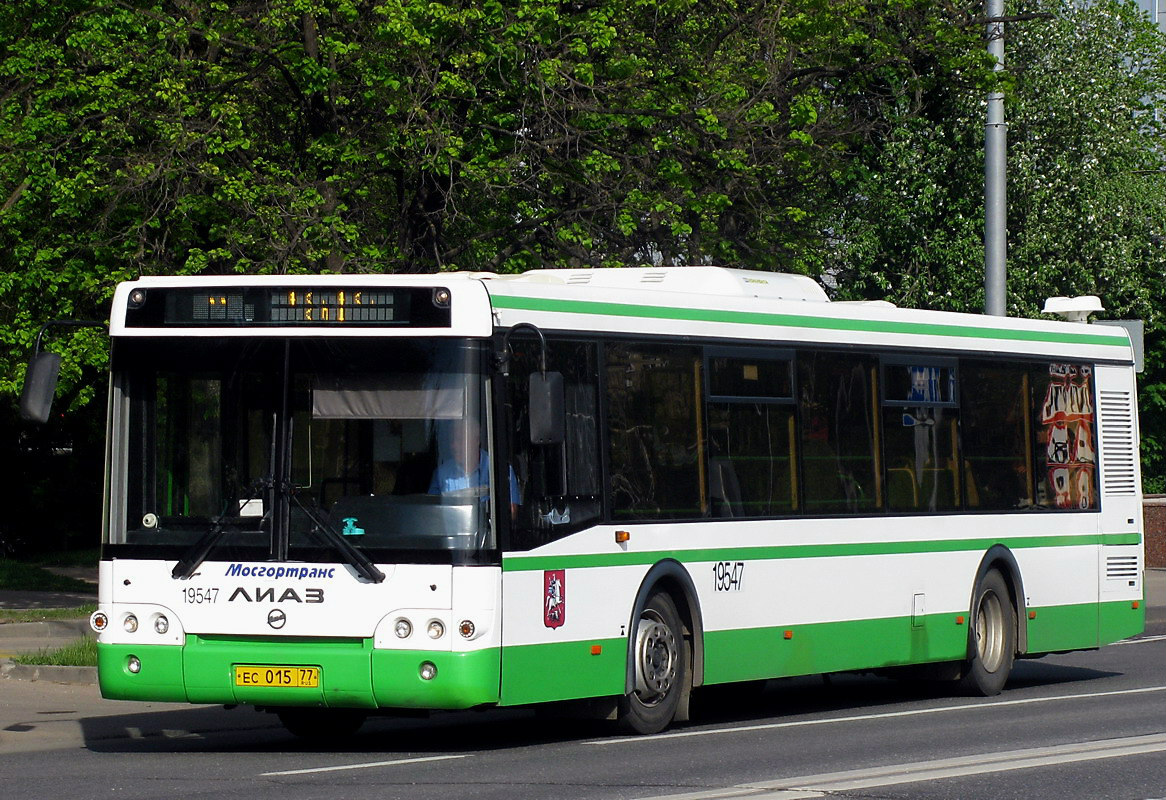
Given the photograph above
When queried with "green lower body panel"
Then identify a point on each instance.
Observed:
(352, 674)
(759, 653)
(544, 673)
(1084, 627)
(345, 677)
(1121, 620)
(1062, 628)
(783, 651)
(462, 680)
(160, 676)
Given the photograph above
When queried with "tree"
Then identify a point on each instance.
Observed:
(167, 136)
(1086, 187)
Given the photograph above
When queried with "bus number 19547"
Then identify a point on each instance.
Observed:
(198, 595)
(727, 575)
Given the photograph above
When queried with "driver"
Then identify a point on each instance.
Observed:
(464, 463)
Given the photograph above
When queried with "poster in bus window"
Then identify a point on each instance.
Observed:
(1067, 418)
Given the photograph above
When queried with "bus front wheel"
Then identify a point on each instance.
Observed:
(991, 637)
(660, 663)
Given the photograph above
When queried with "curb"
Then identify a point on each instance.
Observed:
(80, 676)
(71, 629)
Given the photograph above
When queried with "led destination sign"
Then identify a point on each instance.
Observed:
(300, 306)
(356, 305)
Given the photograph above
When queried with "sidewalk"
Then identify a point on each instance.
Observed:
(19, 638)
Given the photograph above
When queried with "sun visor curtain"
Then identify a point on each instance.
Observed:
(379, 397)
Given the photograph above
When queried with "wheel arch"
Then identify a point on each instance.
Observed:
(1000, 558)
(669, 576)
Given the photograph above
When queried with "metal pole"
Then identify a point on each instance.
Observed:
(995, 201)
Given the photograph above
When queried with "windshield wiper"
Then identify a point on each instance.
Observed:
(326, 532)
(198, 551)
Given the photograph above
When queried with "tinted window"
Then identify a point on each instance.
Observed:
(921, 437)
(558, 484)
(995, 426)
(653, 399)
(836, 403)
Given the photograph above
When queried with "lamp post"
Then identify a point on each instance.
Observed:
(995, 155)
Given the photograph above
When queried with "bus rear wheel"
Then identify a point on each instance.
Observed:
(660, 663)
(322, 724)
(991, 637)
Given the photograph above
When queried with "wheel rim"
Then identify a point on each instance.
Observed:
(990, 632)
(656, 657)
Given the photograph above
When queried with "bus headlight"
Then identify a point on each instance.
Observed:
(436, 629)
(130, 623)
(428, 670)
(403, 628)
(161, 624)
(133, 665)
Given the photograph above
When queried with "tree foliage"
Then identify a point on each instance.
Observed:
(1086, 187)
(168, 136)
(832, 137)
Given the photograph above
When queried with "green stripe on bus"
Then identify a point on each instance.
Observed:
(515, 563)
(798, 321)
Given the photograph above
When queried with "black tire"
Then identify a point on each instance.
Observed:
(660, 664)
(991, 637)
(322, 724)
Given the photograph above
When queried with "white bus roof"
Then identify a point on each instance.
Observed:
(699, 301)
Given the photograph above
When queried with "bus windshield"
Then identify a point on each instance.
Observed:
(269, 441)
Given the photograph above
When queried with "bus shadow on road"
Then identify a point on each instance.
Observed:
(861, 693)
(243, 730)
(214, 728)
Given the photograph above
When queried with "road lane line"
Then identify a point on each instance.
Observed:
(1139, 640)
(820, 785)
(368, 765)
(865, 717)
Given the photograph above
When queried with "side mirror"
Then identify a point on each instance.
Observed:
(548, 419)
(40, 384)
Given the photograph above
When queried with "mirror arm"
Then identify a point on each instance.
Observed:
(40, 378)
(504, 356)
(64, 323)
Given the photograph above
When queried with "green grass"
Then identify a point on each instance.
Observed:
(66, 558)
(48, 614)
(81, 653)
(25, 577)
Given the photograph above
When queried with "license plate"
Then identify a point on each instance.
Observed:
(272, 675)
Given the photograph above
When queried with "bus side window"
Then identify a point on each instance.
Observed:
(653, 406)
(558, 484)
(1064, 436)
(995, 434)
(920, 413)
(751, 434)
(838, 438)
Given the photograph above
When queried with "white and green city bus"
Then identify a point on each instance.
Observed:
(328, 496)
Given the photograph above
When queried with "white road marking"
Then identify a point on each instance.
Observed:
(864, 717)
(809, 786)
(368, 765)
(1139, 640)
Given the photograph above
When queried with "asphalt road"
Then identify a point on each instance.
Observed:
(1082, 725)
